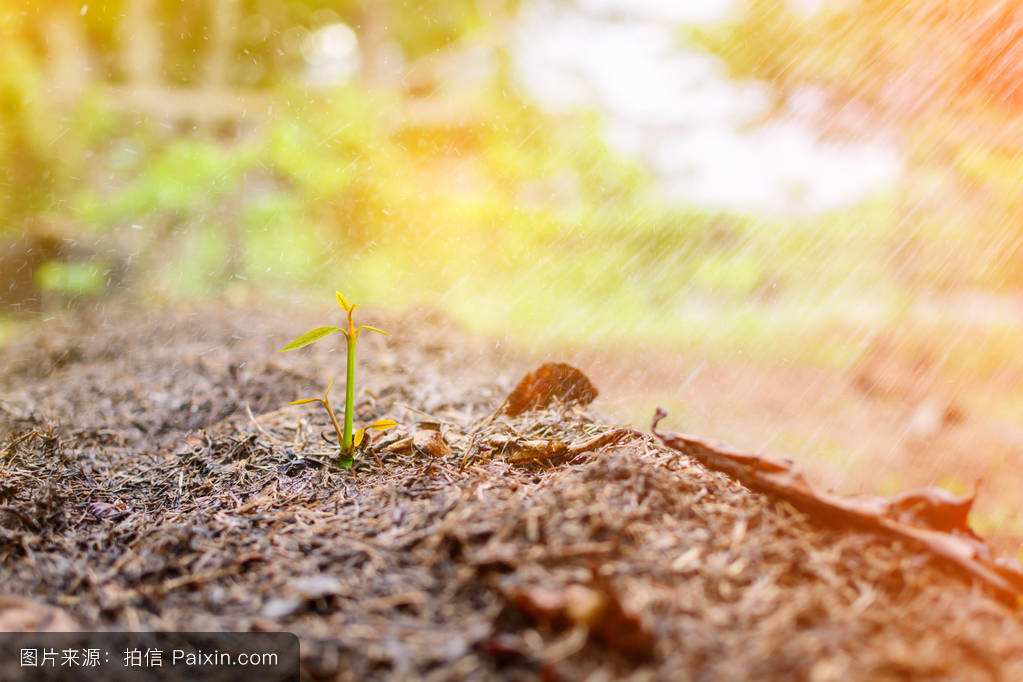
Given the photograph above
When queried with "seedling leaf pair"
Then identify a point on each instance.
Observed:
(348, 440)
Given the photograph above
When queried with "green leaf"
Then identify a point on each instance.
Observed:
(347, 462)
(383, 424)
(343, 302)
(374, 329)
(304, 401)
(311, 336)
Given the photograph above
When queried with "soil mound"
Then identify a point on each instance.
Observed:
(150, 478)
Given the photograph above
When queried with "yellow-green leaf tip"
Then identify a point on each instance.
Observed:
(383, 424)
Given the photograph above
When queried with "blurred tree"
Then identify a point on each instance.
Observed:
(30, 168)
(205, 41)
(192, 63)
(947, 77)
(900, 61)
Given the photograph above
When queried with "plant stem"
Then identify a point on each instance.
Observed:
(349, 397)
(333, 417)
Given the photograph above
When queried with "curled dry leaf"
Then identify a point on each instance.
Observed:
(549, 383)
(932, 508)
(402, 446)
(431, 442)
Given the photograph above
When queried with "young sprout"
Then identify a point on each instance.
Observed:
(348, 440)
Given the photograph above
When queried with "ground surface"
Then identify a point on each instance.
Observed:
(136, 491)
(879, 427)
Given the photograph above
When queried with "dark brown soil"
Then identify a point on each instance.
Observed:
(150, 479)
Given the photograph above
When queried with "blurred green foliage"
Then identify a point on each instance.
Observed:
(944, 77)
(516, 220)
(70, 278)
(32, 169)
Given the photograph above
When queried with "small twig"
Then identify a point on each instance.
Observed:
(552, 450)
(194, 579)
(426, 414)
(259, 427)
(9, 447)
(603, 439)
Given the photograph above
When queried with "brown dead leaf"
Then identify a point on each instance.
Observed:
(400, 447)
(551, 382)
(522, 451)
(552, 450)
(931, 519)
(430, 442)
(932, 508)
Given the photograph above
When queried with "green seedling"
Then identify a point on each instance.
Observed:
(348, 440)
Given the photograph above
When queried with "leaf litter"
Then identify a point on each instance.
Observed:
(152, 480)
(931, 518)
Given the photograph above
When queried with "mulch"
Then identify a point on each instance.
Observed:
(151, 478)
